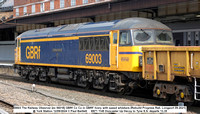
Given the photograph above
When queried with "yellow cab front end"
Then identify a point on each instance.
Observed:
(129, 46)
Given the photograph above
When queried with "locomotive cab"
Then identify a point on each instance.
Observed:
(131, 36)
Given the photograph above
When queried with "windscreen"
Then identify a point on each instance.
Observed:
(150, 36)
(143, 36)
(163, 36)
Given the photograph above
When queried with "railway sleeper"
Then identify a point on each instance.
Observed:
(183, 93)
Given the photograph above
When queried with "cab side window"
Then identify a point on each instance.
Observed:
(114, 38)
(125, 38)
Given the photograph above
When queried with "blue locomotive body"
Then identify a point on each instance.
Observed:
(66, 51)
(61, 52)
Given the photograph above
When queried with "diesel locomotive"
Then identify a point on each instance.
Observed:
(102, 55)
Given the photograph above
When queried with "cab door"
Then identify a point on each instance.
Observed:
(114, 39)
(18, 51)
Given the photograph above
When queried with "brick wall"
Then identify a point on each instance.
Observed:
(14, 12)
(91, 1)
(23, 2)
(29, 10)
(79, 2)
(47, 6)
(68, 3)
(21, 11)
(37, 8)
(56, 4)
(28, 3)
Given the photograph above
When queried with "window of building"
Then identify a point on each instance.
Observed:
(94, 43)
(33, 8)
(42, 7)
(17, 11)
(62, 3)
(85, 1)
(73, 2)
(25, 10)
(97, 0)
(52, 5)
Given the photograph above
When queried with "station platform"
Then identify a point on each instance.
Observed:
(7, 63)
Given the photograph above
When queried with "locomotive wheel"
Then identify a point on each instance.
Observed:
(24, 76)
(128, 90)
(48, 80)
(43, 78)
(172, 100)
(122, 91)
(98, 85)
(33, 78)
(105, 89)
(82, 83)
(167, 99)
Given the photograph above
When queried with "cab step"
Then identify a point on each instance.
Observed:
(196, 90)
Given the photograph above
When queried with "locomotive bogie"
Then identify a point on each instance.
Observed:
(97, 79)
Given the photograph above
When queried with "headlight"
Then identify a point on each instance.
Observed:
(140, 61)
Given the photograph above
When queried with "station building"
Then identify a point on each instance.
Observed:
(182, 16)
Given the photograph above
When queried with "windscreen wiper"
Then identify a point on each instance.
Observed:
(145, 33)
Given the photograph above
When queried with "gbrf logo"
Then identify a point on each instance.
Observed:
(33, 52)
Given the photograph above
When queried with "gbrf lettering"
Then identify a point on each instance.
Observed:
(33, 52)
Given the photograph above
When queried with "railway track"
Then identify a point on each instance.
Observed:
(8, 107)
(138, 93)
(45, 94)
(135, 97)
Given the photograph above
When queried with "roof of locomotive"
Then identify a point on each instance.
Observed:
(94, 28)
(139, 23)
